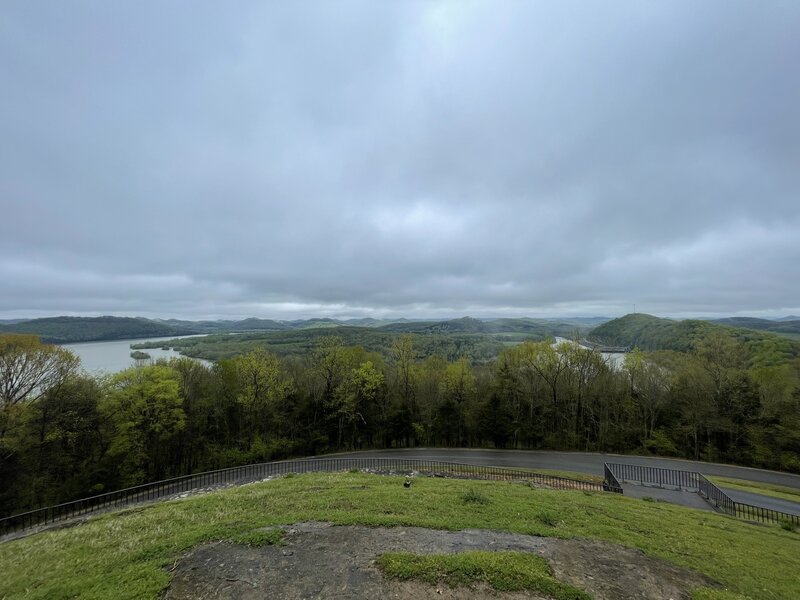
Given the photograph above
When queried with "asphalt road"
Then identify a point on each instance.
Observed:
(585, 462)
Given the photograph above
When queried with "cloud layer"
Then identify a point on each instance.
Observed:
(399, 159)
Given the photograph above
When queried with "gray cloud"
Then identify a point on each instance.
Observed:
(406, 158)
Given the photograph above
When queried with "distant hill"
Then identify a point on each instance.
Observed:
(786, 327)
(313, 323)
(368, 322)
(463, 325)
(254, 324)
(533, 327)
(789, 318)
(650, 333)
(62, 330)
(198, 326)
(653, 333)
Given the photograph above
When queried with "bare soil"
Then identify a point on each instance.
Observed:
(319, 560)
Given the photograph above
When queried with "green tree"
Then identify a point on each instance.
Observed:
(28, 370)
(263, 387)
(359, 393)
(585, 367)
(550, 364)
(648, 390)
(458, 388)
(62, 433)
(404, 357)
(144, 407)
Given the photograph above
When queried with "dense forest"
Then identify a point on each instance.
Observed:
(64, 434)
(450, 345)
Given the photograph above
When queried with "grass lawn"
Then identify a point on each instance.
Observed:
(589, 477)
(125, 555)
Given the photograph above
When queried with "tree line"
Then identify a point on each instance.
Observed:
(65, 435)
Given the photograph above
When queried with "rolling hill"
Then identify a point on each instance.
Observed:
(62, 330)
(654, 333)
(787, 327)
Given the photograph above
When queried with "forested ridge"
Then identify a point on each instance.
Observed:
(64, 330)
(762, 348)
(789, 327)
(64, 434)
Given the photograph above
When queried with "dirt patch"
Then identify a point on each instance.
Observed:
(319, 561)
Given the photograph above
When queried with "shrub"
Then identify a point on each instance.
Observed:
(787, 525)
(473, 496)
(547, 518)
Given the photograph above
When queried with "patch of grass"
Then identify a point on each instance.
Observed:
(257, 538)
(788, 525)
(757, 487)
(592, 478)
(473, 496)
(124, 555)
(504, 571)
(716, 594)
(571, 475)
(548, 518)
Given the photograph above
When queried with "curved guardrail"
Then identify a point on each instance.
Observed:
(45, 516)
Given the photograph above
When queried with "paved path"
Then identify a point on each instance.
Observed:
(690, 499)
(588, 462)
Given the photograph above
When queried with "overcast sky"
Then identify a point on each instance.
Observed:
(433, 159)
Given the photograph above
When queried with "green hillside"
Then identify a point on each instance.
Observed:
(540, 328)
(61, 330)
(786, 327)
(654, 333)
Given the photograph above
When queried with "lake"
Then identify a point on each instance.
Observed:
(112, 356)
(616, 360)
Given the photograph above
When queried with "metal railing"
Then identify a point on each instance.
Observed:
(656, 476)
(766, 515)
(691, 481)
(716, 497)
(610, 482)
(48, 515)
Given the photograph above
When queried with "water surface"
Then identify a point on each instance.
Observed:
(112, 356)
